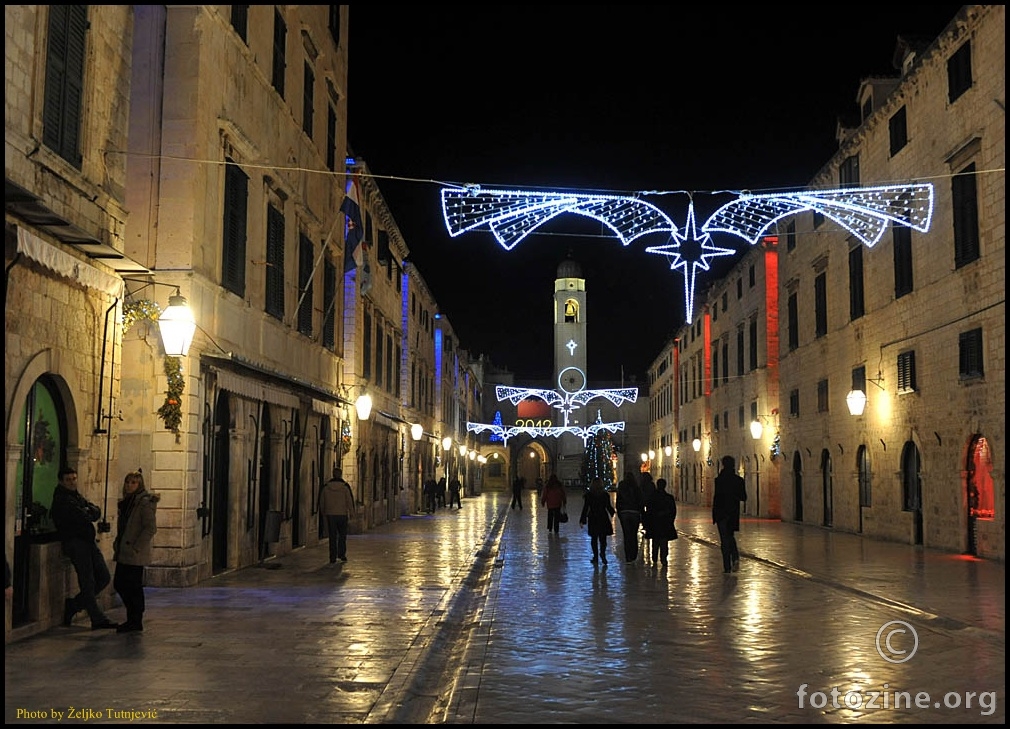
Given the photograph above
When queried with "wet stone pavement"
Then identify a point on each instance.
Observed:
(481, 616)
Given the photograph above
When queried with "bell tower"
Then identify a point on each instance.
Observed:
(570, 359)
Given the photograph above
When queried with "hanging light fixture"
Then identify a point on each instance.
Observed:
(363, 406)
(416, 431)
(856, 402)
(446, 443)
(177, 326)
(696, 444)
(756, 429)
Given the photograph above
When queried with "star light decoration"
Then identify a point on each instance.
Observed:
(511, 215)
(566, 401)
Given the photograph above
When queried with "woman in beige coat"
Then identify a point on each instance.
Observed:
(137, 525)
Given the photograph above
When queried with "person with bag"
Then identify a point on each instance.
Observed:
(137, 525)
(629, 513)
(336, 503)
(660, 518)
(555, 499)
(597, 513)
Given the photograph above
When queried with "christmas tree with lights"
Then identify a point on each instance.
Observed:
(598, 461)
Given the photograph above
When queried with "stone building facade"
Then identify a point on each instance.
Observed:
(67, 81)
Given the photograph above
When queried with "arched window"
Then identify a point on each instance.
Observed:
(981, 500)
(571, 311)
(827, 486)
(911, 486)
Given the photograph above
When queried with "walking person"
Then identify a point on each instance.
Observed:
(517, 493)
(730, 492)
(440, 492)
(136, 527)
(660, 516)
(554, 498)
(455, 489)
(74, 517)
(629, 513)
(597, 512)
(336, 502)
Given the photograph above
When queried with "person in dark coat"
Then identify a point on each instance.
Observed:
(74, 517)
(137, 525)
(553, 496)
(597, 512)
(629, 512)
(730, 492)
(517, 493)
(660, 515)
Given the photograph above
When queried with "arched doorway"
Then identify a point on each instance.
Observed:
(863, 471)
(797, 487)
(911, 488)
(42, 435)
(827, 489)
(221, 480)
(979, 486)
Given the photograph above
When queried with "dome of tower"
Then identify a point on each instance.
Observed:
(569, 268)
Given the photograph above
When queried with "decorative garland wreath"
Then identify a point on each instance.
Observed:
(170, 411)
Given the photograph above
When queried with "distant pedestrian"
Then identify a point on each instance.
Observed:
(554, 498)
(455, 489)
(517, 493)
(660, 516)
(428, 493)
(597, 512)
(441, 491)
(730, 492)
(136, 527)
(648, 487)
(629, 513)
(74, 517)
(336, 502)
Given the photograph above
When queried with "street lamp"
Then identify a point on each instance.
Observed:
(696, 444)
(363, 406)
(177, 326)
(416, 431)
(856, 402)
(756, 429)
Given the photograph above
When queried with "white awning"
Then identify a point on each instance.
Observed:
(66, 265)
(254, 389)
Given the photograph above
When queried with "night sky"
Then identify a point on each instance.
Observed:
(618, 99)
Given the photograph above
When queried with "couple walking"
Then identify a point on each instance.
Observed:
(657, 511)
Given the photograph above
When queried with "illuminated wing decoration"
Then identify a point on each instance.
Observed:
(866, 212)
(511, 215)
(509, 431)
(565, 401)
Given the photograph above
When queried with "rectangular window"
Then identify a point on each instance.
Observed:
(753, 351)
(903, 282)
(740, 417)
(275, 263)
(969, 347)
(724, 297)
(822, 396)
(378, 353)
(959, 72)
(848, 172)
(856, 303)
(794, 322)
(280, 50)
(64, 90)
(382, 254)
(859, 379)
(965, 200)
(821, 305)
(308, 100)
(366, 345)
(236, 200)
(306, 261)
(739, 288)
(906, 372)
(898, 129)
(715, 368)
(240, 21)
(791, 235)
(396, 382)
(331, 139)
(725, 362)
(818, 221)
(739, 352)
(329, 305)
(751, 277)
(794, 403)
(389, 363)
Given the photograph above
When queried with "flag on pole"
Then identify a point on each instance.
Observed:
(354, 233)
